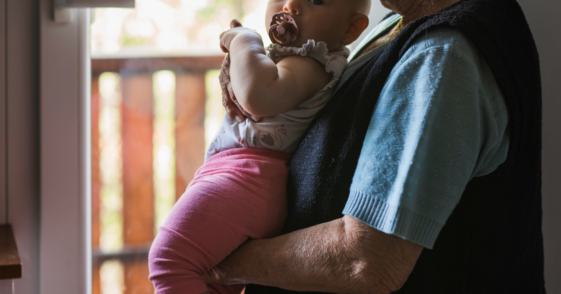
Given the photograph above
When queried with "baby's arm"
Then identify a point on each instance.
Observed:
(264, 88)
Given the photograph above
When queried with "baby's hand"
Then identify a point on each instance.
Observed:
(235, 30)
(233, 107)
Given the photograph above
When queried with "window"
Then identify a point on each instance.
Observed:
(123, 129)
(155, 107)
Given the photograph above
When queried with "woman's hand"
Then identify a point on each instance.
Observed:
(231, 104)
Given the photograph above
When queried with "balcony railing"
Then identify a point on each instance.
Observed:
(137, 133)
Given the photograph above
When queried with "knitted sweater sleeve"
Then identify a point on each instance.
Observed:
(440, 121)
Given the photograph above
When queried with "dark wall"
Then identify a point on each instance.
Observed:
(22, 93)
(543, 16)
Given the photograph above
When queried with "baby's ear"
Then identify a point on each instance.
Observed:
(358, 23)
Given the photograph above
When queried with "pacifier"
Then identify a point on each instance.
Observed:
(283, 29)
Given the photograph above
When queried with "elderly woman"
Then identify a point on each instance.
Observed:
(422, 174)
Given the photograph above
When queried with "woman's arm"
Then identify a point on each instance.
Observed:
(341, 256)
(262, 87)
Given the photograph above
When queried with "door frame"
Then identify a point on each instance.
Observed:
(65, 226)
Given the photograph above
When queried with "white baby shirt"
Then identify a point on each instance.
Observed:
(283, 132)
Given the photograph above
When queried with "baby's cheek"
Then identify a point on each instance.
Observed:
(333, 34)
(271, 10)
(321, 33)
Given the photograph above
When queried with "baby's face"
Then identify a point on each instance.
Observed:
(320, 20)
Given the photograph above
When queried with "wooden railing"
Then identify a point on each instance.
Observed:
(137, 155)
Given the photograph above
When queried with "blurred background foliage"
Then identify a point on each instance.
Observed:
(171, 27)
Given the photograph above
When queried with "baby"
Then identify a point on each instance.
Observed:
(240, 191)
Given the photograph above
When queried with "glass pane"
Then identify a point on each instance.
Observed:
(156, 105)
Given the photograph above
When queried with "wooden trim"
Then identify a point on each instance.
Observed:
(137, 131)
(95, 3)
(10, 263)
(138, 65)
(136, 278)
(127, 254)
(190, 101)
(3, 117)
(96, 179)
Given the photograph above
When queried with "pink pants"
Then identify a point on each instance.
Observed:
(237, 194)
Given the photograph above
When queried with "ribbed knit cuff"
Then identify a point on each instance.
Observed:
(392, 219)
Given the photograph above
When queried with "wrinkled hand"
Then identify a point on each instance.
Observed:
(229, 101)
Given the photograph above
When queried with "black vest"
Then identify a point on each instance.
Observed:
(492, 242)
